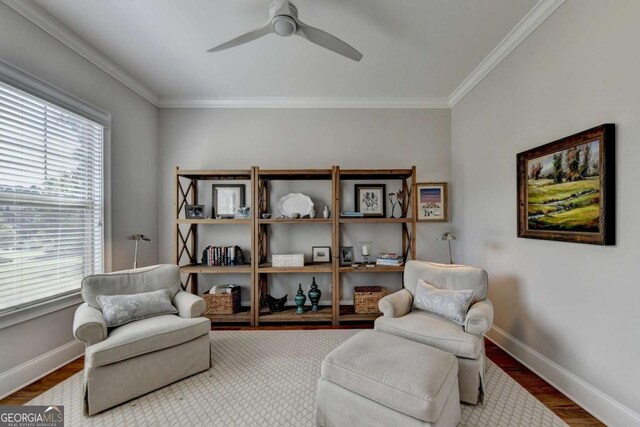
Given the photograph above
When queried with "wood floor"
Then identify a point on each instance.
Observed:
(562, 406)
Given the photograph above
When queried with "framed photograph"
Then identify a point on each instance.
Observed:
(371, 200)
(194, 212)
(227, 198)
(321, 254)
(566, 189)
(347, 255)
(432, 202)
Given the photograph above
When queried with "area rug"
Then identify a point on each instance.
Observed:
(268, 378)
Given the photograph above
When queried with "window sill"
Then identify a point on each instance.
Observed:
(37, 310)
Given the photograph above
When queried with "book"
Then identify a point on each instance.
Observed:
(351, 214)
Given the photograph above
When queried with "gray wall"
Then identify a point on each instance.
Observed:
(305, 138)
(133, 162)
(575, 304)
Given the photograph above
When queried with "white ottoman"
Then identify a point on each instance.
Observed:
(378, 379)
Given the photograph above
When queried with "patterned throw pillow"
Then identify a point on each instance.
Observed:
(120, 309)
(452, 305)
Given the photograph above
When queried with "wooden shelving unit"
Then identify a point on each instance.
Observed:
(186, 235)
(407, 222)
(259, 270)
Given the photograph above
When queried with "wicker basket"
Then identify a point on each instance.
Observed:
(365, 299)
(223, 303)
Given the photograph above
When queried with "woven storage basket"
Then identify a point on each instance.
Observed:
(223, 303)
(365, 299)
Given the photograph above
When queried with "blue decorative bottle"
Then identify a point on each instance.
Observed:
(314, 295)
(300, 300)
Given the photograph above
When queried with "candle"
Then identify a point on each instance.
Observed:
(366, 249)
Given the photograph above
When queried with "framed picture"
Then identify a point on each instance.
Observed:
(321, 254)
(227, 198)
(194, 212)
(347, 255)
(566, 188)
(371, 200)
(432, 202)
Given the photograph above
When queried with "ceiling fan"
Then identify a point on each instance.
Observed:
(283, 20)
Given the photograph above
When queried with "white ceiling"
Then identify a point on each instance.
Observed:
(412, 48)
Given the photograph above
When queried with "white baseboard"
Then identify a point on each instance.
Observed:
(34, 369)
(600, 405)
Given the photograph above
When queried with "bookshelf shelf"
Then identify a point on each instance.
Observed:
(296, 221)
(216, 269)
(375, 269)
(214, 221)
(242, 316)
(187, 249)
(348, 314)
(309, 268)
(325, 314)
(376, 220)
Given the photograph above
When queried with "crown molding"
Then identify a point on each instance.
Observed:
(530, 22)
(57, 30)
(317, 102)
(60, 32)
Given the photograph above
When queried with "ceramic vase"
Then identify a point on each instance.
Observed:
(313, 213)
(314, 295)
(300, 300)
(326, 212)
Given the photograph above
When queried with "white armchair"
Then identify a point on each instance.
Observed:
(465, 342)
(127, 361)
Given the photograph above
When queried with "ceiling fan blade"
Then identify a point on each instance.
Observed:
(245, 38)
(326, 40)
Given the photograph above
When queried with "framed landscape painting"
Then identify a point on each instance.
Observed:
(566, 189)
(432, 202)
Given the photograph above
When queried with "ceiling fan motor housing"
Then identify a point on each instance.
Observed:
(284, 25)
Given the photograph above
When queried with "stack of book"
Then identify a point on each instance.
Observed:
(390, 260)
(351, 214)
(222, 256)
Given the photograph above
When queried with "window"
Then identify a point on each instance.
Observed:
(51, 199)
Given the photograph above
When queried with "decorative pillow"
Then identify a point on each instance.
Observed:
(452, 305)
(120, 309)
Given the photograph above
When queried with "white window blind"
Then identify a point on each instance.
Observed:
(51, 199)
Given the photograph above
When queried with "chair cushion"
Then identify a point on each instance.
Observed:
(432, 330)
(452, 305)
(447, 276)
(147, 279)
(120, 309)
(411, 378)
(145, 336)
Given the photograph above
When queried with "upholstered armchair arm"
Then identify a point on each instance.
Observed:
(479, 318)
(89, 325)
(396, 304)
(189, 305)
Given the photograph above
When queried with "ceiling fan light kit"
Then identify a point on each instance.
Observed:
(283, 20)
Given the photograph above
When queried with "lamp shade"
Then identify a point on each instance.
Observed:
(447, 236)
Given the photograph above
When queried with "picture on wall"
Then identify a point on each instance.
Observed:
(371, 200)
(227, 199)
(432, 202)
(566, 188)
